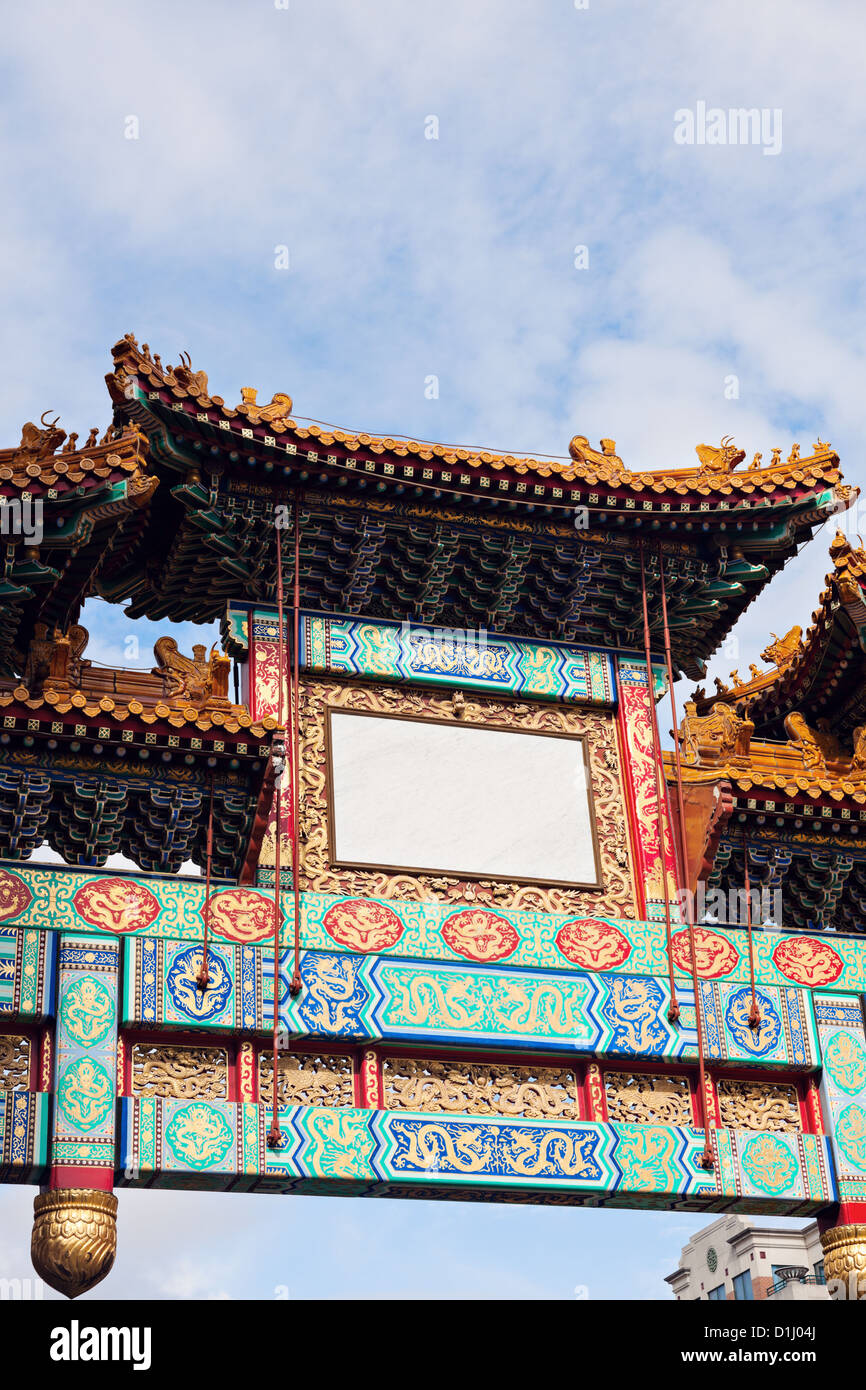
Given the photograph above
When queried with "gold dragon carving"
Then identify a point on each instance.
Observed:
(635, 1098)
(196, 680)
(821, 751)
(722, 735)
(14, 1063)
(307, 1079)
(39, 442)
(616, 898)
(606, 465)
(55, 659)
(181, 1073)
(718, 460)
(534, 1093)
(758, 1105)
(783, 651)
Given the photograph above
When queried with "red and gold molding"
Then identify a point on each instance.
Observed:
(370, 1082)
(654, 849)
(246, 1072)
(596, 1107)
(813, 1105)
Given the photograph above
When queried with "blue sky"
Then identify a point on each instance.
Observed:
(303, 127)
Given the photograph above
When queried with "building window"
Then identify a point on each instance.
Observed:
(718, 1292)
(818, 1271)
(743, 1286)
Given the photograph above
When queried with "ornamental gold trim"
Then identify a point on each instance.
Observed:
(616, 898)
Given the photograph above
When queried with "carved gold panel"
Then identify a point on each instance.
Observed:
(758, 1105)
(182, 1073)
(307, 1079)
(616, 896)
(635, 1098)
(14, 1063)
(480, 1088)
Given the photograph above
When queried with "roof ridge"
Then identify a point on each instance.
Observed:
(716, 471)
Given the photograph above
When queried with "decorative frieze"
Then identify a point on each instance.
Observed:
(14, 1062)
(640, 1098)
(168, 1143)
(185, 1073)
(478, 1088)
(760, 1105)
(307, 1079)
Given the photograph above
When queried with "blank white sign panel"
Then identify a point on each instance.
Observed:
(455, 798)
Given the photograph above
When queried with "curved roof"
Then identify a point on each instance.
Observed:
(173, 512)
(821, 674)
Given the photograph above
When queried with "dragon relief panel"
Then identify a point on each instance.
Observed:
(616, 898)
(307, 1079)
(759, 1105)
(14, 1062)
(181, 1073)
(635, 1098)
(476, 1088)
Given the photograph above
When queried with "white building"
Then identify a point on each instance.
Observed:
(735, 1259)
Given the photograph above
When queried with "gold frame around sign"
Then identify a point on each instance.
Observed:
(617, 896)
(465, 875)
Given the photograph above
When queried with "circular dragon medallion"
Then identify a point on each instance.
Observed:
(845, 1063)
(241, 914)
(480, 935)
(716, 956)
(756, 1041)
(182, 984)
(86, 1094)
(807, 961)
(14, 895)
(117, 904)
(851, 1135)
(769, 1163)
(363, 925)
(199, 1135)
(87, 1011)
(592, 944)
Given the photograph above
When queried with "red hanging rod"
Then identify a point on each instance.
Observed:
(707, 1160)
